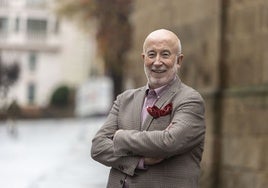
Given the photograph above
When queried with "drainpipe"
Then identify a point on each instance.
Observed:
(219, 94)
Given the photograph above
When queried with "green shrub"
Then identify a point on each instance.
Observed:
(60, 97)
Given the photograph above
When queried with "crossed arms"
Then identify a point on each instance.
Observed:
(124, 151)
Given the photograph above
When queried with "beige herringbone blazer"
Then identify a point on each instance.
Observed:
(181, 145)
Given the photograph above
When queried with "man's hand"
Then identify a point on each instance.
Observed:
(152, 161)
(169, 126)
(119, 130)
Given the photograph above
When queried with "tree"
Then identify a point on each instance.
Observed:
(113, 31)
(9, 74)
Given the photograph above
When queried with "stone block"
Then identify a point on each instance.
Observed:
(245, 114)
(264, 159)
(234, 121)
(243, 20)
(243, 61)
(245, 179)
(242, 178)
(242, 152)
(262, 179)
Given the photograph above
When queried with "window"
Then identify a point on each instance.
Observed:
(36, 28)
(57, 26)
(17, 24)
(3, 25)
(31, 93)
(32, 61)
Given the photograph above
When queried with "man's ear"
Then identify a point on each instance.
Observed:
(142, 56)
(179, 61)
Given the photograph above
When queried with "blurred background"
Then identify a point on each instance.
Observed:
(63, 62)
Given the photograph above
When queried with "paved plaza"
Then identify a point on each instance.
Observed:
(50, 154)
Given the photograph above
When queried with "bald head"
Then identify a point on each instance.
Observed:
(163, 35)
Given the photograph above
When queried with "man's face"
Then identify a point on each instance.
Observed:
(161, 60)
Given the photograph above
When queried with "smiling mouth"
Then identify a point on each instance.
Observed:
(159, 71)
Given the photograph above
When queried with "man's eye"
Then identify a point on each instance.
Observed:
(165, 55)
(150, 55)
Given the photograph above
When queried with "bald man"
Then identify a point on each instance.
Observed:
(154, 135)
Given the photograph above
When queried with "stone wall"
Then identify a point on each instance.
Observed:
(244, 161)
(225, 48)
(244, 125)
(196, 23)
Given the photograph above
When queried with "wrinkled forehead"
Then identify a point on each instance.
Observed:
(162, 37)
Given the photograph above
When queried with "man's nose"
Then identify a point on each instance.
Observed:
(158, 60)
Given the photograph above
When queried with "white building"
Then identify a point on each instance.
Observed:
(50, 51)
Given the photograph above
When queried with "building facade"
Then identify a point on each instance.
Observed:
(50, 51)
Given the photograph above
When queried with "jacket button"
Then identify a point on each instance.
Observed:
(129, 153)
(121, 167)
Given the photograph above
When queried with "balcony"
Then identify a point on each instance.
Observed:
(38, 35)
(36, 4)
(3, 3)
(30, 41)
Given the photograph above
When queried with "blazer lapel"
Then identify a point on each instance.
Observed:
(138, 104)
(171, 91)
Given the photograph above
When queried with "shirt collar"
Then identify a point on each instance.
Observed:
(159, 91)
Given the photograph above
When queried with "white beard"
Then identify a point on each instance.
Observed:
(158, 82)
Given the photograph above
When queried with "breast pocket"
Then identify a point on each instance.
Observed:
(160, 123)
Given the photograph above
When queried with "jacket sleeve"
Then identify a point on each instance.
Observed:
(102, 149)
(187, 131)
